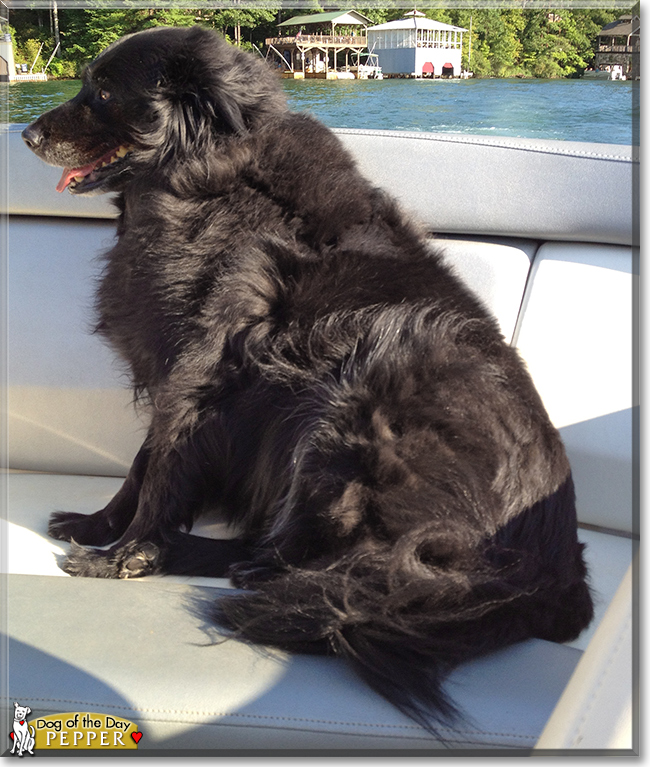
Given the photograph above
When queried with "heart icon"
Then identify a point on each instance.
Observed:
(136, 736)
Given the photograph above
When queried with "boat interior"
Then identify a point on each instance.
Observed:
(546, 233)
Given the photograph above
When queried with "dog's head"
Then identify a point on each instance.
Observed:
(21, 712)
(151, 98)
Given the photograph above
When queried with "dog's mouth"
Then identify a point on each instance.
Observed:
(93, 177)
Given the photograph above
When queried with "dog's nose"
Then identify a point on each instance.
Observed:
(32, 136)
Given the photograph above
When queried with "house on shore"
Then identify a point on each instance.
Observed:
(619, 44)
(415, 46)
(320, 44)
(7, 66)
(9, 72)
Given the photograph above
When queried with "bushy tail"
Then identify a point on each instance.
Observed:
(337, 611)
(405, 614)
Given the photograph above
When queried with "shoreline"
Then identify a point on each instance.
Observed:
(386, 78)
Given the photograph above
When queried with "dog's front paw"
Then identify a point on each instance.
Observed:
(87, 529)
(137, 559)
(131, 560)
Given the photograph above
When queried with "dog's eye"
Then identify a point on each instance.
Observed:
(104, 95)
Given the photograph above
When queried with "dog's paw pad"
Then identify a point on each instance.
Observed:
(132, 560)
(139, 559)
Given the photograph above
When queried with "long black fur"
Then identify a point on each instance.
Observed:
(311, 366)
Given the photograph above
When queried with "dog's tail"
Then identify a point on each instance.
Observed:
(405, 615)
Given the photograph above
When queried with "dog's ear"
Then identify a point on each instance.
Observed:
(199, 94)
(213, 81)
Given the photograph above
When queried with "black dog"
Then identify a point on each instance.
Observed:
(312, 367)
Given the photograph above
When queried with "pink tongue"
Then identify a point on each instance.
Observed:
(70, 173)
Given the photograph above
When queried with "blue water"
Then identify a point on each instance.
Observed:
(571, 110)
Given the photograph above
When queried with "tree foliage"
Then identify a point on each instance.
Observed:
(503, 42)
(531, 42)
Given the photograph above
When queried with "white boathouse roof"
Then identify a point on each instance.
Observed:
(415, 22)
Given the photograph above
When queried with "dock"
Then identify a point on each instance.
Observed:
(321, 46)
(33, 77)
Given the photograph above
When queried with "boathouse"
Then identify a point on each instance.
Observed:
(319, 44)
(619, 44)
(415, 46)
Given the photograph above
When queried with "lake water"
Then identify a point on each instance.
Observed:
(571, 110)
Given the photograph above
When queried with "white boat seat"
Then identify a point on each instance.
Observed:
(557, 272)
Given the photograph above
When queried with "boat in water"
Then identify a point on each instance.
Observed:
(371, 69)
(615, 72)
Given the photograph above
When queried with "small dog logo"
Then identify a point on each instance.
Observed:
(23, 732)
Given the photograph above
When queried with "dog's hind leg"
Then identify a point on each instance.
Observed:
(110, 523)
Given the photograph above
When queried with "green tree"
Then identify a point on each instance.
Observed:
(561, 42)
(378, 11)
(231, 21)
(30, 52)
(495, 44)
(85, 33)
(540, 45)
(501, 41)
